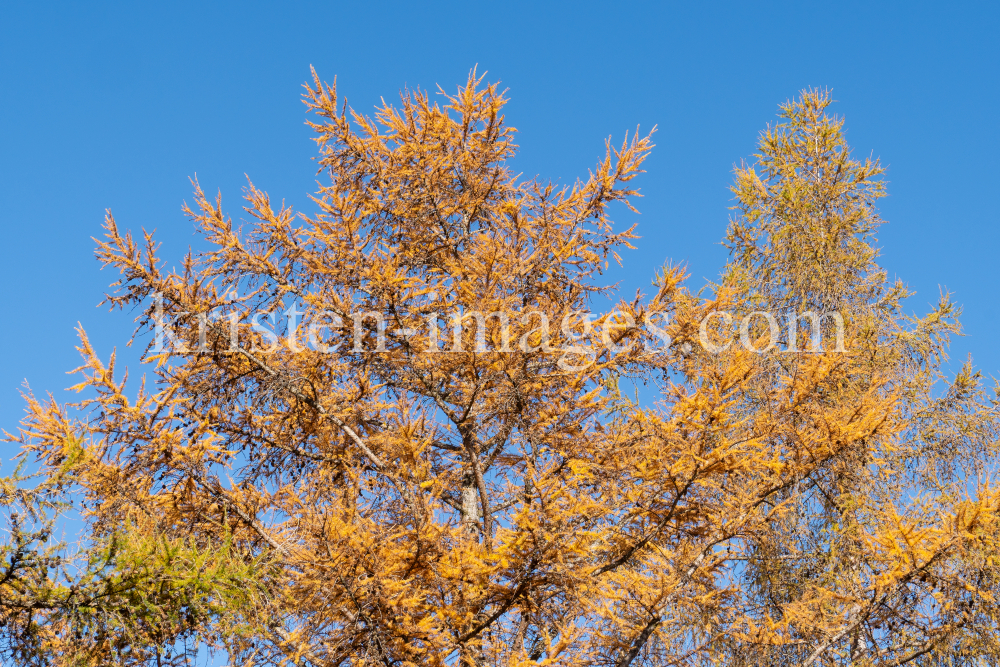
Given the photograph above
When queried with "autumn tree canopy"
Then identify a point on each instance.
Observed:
(437, 461)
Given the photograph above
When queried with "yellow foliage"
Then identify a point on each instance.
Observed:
(427, 503)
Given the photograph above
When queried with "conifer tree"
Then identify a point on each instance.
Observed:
(438, 464)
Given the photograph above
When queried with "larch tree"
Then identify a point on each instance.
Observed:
(437, 463)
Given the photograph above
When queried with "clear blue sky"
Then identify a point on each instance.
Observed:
(117, 106)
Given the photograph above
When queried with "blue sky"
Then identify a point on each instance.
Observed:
(116, 106)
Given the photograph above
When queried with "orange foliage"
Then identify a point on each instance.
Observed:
(423, 501)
